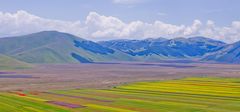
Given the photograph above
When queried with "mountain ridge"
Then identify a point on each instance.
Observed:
(228, 54)
(177, 47)
(59, 47)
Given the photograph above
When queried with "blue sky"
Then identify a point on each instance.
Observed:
(170, 13)
(222, 12)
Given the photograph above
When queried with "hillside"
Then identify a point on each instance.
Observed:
(10, 63)
(229, 54)
(56, 47)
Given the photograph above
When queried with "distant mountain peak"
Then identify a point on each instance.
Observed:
(54, 34)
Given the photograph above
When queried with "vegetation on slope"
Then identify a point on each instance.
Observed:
(7, 63)
(55, 47)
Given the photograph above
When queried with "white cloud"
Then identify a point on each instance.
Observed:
(100, 27)
(193, 29)
(22, 22)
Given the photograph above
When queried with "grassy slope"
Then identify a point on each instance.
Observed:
(57, 53)
(11, 63)
(185, 95)
(38, 48)
(51, 47)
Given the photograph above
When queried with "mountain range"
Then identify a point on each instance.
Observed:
(58, 47)
(173, 48)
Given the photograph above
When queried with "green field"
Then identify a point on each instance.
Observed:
(182, 95)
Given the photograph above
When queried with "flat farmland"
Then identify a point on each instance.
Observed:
(194, 94)
(74, 76)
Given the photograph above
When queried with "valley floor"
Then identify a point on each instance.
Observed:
(105, 75)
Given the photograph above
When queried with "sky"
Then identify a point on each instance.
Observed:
(123, 19)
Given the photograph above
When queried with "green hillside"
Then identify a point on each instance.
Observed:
(7, 63)
(57, 47)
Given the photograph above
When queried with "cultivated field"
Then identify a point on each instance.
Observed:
(182, 95)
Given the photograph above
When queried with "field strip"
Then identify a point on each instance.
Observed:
(21, 102)
(136, 96)
(109, 108)
(106, 99)
(33, 109)
(219, 85)
(189, 89)
(186, 89)
(32, 98)
(71, 96)
(7, 105)
(161, 96)
(178, 94)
